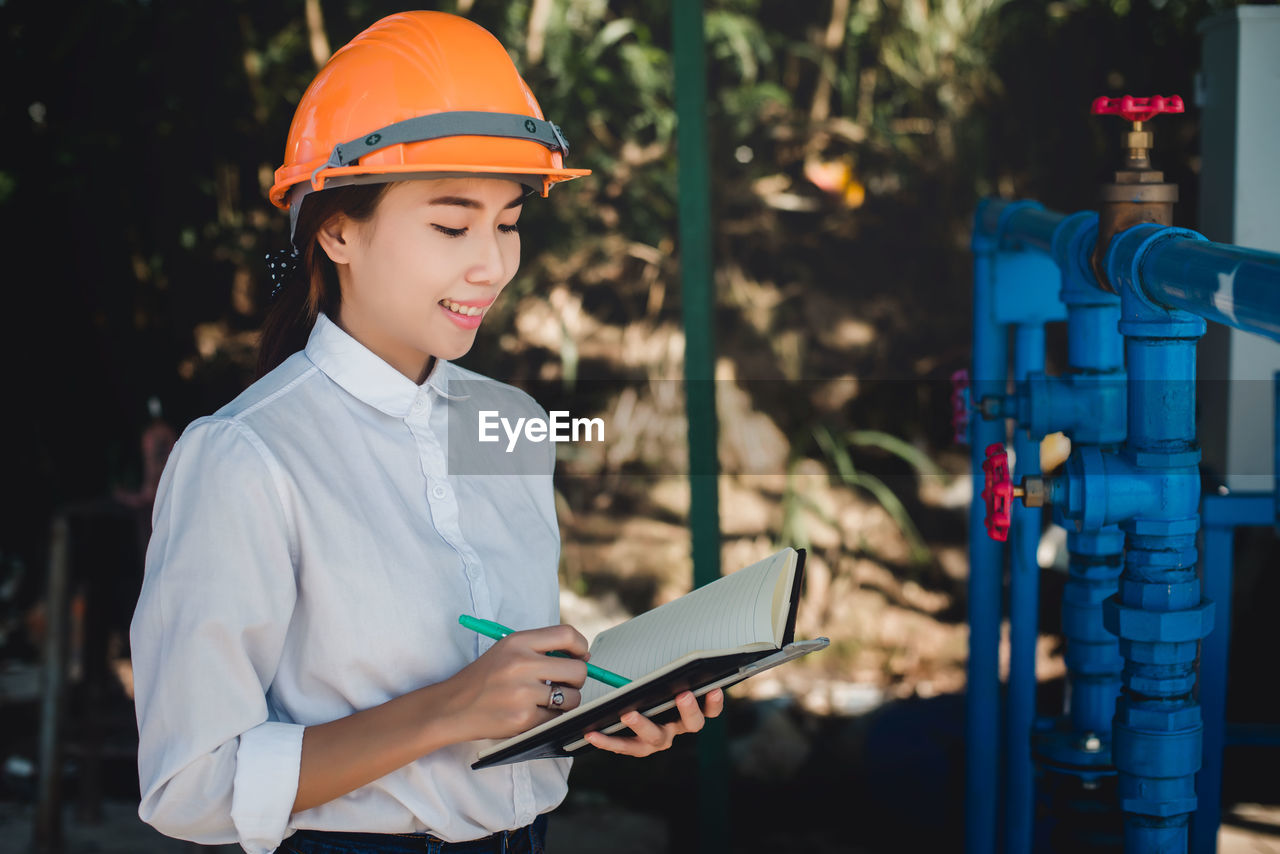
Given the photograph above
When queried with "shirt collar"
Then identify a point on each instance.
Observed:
(364, 375)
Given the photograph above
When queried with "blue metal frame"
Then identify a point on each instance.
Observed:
(1013, 287)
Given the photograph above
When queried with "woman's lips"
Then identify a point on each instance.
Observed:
(466, 314)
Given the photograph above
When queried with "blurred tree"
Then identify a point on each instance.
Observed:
(851, 140)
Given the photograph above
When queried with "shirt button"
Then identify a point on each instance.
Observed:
(439, 490)
(473, 572)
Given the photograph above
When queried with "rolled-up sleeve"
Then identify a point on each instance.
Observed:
(218, 594)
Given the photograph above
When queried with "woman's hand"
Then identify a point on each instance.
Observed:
(506, 691)
(651, 737)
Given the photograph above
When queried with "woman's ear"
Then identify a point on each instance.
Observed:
(335, 239)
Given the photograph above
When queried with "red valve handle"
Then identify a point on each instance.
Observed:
(960, 406)
(997, 492)
(1137, 109)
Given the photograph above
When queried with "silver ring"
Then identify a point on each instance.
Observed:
(556, 699)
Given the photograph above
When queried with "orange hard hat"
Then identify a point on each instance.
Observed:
(418, 94)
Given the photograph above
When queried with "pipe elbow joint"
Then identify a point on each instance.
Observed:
(1073, 244)
(1140, 315)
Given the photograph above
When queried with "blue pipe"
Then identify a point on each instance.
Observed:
(1027, 283)
(1087, 403)
(1024, 603)
(1093, 654)
(1218, 281)
(1158, 614)
(1019, 224)
(1167, 279)
(1151, 488)
(982, 700)
(1095, 358)
(1219, 515)
(1025, 296)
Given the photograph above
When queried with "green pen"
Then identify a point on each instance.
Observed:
(497, 631)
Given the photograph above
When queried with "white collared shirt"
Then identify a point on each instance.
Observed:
(312, 551)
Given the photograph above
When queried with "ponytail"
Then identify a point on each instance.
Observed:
(313, 287)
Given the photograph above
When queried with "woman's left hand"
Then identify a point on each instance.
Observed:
(651, 737)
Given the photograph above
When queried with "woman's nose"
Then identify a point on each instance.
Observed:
(490, 264)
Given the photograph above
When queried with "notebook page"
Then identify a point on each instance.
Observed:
(731, 611)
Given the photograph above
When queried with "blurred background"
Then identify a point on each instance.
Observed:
(849, 144)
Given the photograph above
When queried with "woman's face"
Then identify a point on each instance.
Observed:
(418, 276)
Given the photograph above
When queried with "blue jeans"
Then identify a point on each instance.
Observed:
(530, 839)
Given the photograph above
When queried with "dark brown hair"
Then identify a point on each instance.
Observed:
(315, 286)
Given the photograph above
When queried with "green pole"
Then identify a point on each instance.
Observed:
(698, 301)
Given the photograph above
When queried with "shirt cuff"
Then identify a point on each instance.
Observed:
(267, 765)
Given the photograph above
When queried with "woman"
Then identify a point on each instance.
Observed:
(301, 680)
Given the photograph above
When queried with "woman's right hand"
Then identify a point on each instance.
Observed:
(506, 692)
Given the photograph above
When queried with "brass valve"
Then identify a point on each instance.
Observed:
(1139, 193)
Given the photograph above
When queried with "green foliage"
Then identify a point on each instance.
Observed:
(839, 456)
(142, 137)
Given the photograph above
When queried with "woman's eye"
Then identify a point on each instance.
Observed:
(459, 232)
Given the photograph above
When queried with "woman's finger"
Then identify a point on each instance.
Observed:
(649, 737)
(565, 671)
(646, 730)
(570, 698)
(691, 717)
(555, 638)
(624, 745)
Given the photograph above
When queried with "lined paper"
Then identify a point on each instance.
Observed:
(733, 611)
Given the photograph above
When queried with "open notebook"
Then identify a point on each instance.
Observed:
(731, 629)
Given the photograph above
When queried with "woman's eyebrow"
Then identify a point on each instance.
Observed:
(464, 202)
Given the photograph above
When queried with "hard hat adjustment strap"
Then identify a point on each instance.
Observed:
(457, 123)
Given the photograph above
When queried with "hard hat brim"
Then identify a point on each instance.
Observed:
(316, 174)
